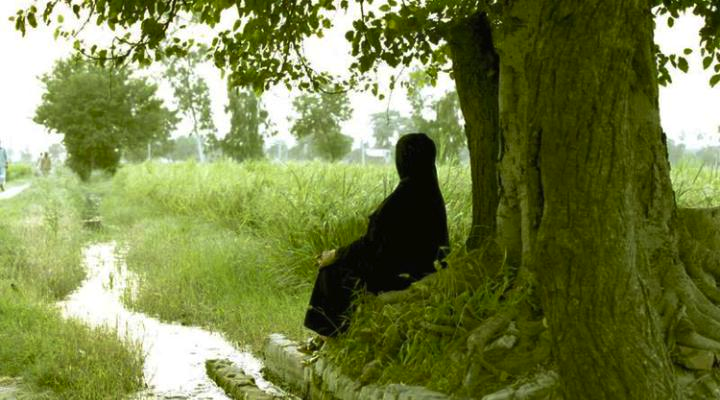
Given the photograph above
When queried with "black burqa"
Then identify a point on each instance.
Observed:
(406, 234)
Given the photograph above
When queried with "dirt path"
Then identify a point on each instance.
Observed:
(13, 191)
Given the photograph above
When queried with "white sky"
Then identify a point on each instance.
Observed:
(689, 108)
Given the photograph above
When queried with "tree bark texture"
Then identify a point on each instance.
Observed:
(475, 68)
(587, 204)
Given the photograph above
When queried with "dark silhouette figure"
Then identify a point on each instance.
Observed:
(406, 234)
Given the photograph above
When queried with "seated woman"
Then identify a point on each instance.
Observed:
(406, 234)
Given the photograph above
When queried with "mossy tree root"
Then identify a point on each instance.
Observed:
(692, 311)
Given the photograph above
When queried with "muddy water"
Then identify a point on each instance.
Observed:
(175, 354)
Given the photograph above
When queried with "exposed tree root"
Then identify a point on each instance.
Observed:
(480, 336)
(690, 311)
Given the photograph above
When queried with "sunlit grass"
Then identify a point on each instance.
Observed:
(696, 183)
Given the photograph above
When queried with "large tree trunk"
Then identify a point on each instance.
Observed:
(475, 67)
(585, 169)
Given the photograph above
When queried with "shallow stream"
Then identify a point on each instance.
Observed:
(174, 354)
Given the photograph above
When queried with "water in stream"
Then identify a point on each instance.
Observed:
(174, 355)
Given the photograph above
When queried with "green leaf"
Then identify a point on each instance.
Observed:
(683, 64)
(31, 20)
(706, 62)
(20, 24)
(714, 80)
(687, 51)
(385, 8)
(670, 21)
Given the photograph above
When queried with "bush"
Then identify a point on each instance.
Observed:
(18, 171)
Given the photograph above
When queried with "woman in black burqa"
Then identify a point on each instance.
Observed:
(406, 234)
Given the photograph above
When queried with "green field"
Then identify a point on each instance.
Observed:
(232, 247)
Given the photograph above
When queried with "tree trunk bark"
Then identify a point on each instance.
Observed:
(475, 68)
(587, 202)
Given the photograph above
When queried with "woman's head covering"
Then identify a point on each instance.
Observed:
(415, 156)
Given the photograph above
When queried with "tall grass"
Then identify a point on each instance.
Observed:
(40, 263)
(232, 247)
(696, 183)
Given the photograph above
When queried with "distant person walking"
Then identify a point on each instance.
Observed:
(3, 167)
(45, 164)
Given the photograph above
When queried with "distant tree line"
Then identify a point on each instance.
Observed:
(106, 114)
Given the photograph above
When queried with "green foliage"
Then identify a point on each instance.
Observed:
(387, 127)
(445, 128)
(320, 116)
(101, 112)
(192, 94)
(248, 118)
(264, 45)
(709, 37)
(183, 148)
(19, 171)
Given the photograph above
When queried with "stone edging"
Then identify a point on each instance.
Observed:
(323, 381)
(234, 382)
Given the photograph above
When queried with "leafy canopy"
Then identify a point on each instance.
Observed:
(101, 112)
(264, 45)
(192, 95)
(248, 122)
(320, 116)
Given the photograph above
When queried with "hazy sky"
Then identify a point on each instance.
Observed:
(689, 107)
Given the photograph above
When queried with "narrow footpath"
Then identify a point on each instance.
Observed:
(13, 191)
